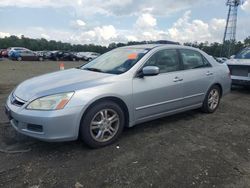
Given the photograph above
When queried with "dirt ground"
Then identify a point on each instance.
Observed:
(191, 149)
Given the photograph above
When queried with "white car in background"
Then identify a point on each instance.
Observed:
(81, 55)
(89, 56)
(239, 67)
(221, 59)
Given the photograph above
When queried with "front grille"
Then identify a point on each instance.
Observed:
(239, 70)
(16, 101)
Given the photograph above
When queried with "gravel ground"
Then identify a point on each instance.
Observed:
(191, 149)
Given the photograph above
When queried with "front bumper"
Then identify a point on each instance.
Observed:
(58, 125)
(240, 80)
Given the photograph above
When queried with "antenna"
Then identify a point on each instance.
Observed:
(231, 24)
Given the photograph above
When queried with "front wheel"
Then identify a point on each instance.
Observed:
(19, 59)
(102, 124)
(212, 99)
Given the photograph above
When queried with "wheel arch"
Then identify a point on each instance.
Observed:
(117, 100)
(220, 86)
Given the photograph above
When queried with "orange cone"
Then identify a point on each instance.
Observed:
(61, 66)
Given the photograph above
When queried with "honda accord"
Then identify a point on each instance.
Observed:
(121, 88)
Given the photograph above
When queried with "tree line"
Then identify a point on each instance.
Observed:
(220, 50)
(215, 49)
(44, 44)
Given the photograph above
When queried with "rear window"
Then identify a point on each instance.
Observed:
(244, 54)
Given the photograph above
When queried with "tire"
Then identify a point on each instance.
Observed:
(40, 59)
(95, 128)
(212, 99)
(89, 59)
(19, 59)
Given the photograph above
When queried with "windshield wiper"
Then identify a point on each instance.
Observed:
(93, 69)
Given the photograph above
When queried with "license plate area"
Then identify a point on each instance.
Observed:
(240, 72)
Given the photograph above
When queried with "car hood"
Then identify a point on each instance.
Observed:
(238, 62)
(58, 82)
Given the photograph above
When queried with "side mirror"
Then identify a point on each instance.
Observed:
(150, 71)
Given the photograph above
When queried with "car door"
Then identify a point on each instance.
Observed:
(26, 55)
(197, 75)
(33, 56)
(156, 95)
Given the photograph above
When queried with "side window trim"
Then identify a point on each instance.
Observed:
(180, 59)
(206, 61)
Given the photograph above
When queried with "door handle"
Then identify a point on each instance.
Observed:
(177, 79)
(209, 73)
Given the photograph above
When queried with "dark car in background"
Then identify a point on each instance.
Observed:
(63, 56)
(26, 55)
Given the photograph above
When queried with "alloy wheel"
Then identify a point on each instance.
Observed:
(213, 99)
(104, 125)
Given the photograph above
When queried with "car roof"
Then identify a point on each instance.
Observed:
(151, 46)
(144, 46)
(18, 47)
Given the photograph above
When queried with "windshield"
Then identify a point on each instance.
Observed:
(243, 54)
(116, 61)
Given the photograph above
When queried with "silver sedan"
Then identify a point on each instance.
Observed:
(121, 88)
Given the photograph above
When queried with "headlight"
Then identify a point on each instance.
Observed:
(51, 102)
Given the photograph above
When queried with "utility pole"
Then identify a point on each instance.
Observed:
(229, 37)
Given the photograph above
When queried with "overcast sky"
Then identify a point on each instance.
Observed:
(106, 21)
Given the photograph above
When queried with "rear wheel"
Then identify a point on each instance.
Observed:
(19, 59)
(102, 124)
(212, 99)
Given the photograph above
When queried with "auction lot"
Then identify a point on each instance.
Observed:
(191, 149)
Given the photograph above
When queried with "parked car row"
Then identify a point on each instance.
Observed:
(239, 64)
(20, 54)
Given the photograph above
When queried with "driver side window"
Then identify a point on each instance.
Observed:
(166, 60)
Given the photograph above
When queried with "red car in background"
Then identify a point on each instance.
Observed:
(4, 53)
(1, 52)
